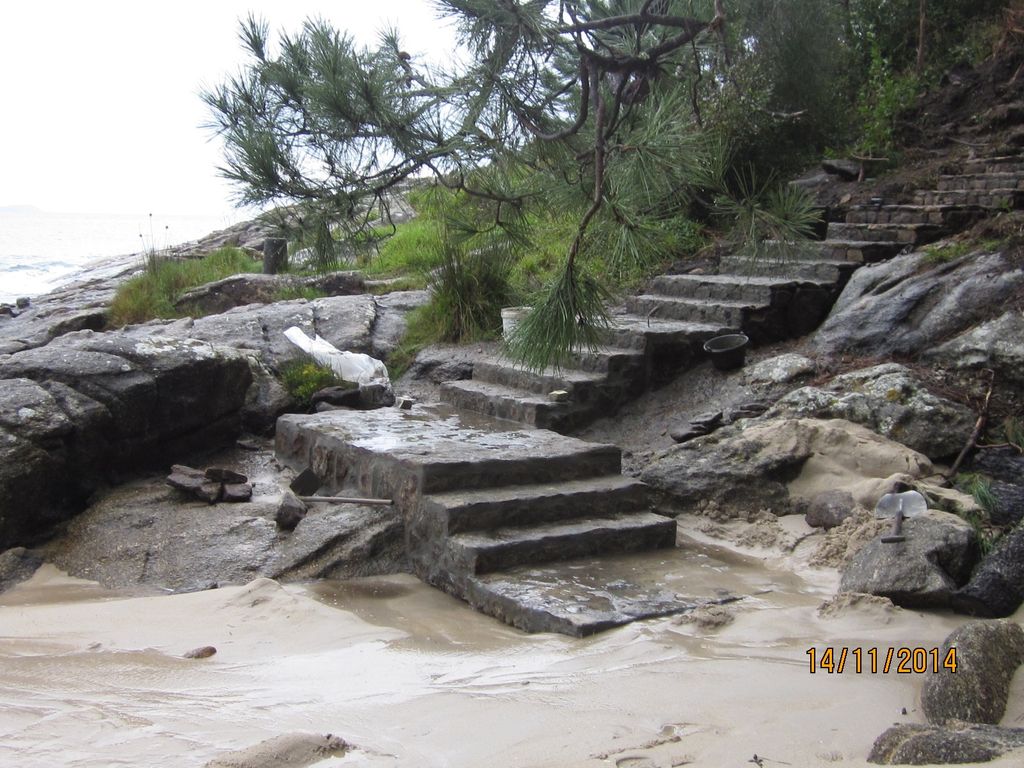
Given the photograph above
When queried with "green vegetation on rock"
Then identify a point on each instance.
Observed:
(304, 378)
(152, 293)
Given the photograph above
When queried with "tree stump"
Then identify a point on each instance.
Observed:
(275, 255)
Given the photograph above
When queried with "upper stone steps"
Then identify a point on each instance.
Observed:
(987, 199)
(718, 311)
(525, 505)
(823, 270)
(943, 215)
(755, 291)
(981, 181)
(502, 401)
(906, 234)
(642, 332)
(480, 552)
(578, 383)
(995, 164)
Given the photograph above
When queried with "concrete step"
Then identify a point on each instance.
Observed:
(524, 505)
(502, 401)
(392, 453)
(485, 552)
(906, 234)
(989, 199)
(579, 384)
(981, 181)
(716, 311)
(996, 164)
(954, 216)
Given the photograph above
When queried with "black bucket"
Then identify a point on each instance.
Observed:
(727, 352)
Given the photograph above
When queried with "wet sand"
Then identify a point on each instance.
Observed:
(412, 677)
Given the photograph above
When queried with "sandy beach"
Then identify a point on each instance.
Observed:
(410, 676)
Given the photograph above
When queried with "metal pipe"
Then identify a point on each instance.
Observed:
(346, 500)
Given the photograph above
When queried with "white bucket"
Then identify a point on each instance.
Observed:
(510, 318)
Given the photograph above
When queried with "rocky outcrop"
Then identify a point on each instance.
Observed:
(144, 533)
(906, 305)
(252, 288)
(997, 345)
(987, 656)
(1005, 469)
(932, 745)
(921, 572)
(996, 588)
(891, 401)
(781, 369)
(88, 404)
(17, 565)
(777, 464)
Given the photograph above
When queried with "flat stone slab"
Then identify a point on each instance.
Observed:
(441, 449)
(589, 595)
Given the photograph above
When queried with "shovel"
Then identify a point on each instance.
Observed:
(900, 506)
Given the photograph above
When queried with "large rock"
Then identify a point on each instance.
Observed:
(1005, 469)
(932, 745)
(997, 344)
(921, 572)
(996, 588)
(891, 401)
(987, 656)
(145, 533)
(17, 565)
(90, 404)
(359, 323)
(903, 306)
(761, 463)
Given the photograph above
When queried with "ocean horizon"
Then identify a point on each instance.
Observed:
(40, 250)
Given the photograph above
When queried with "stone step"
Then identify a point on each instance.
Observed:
(906, 234)
(860, 251)
(998, 164)
(619, 362)
(524, 505)
(650, 333)
(393, 453)
(819, 270)
(720, 311)
(747, 290)
(501, 401)
(981, 181)
(585, 596)
(485, 552)
(579, 384)
(945, 215)
(990, 199)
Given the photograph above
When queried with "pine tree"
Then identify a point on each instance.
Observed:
(588, 106)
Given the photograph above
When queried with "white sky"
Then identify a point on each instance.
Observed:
(99, 104)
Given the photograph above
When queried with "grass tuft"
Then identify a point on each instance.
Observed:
(152, 294)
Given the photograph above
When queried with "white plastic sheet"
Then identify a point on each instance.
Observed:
(351, 366)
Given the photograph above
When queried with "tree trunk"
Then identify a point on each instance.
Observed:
(275, 255)
(922, 21)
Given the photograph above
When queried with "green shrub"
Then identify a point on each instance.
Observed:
(304, 378)
(152, 293)
(884, 97)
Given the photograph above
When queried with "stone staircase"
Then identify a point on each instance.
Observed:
(483, 498)
(500, 516)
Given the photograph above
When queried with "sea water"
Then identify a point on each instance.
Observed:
(40, 250)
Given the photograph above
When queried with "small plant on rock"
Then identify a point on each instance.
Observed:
(304, 378)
